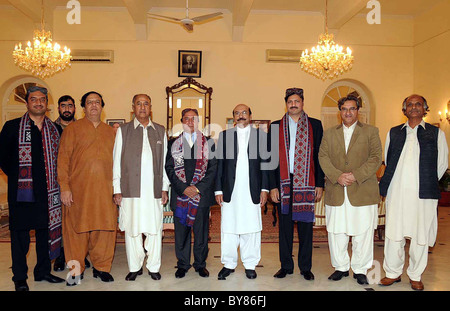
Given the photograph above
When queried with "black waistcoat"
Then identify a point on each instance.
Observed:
(428, 142)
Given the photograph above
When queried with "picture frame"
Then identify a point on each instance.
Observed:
(115, 123)
(261, 124)
(229, 123)
(189, 63)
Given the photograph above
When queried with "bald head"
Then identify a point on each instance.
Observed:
(242, 115)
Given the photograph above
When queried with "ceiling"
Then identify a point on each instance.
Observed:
(339, 11)
(390, 7)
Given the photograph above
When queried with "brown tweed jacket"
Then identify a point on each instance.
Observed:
(363, 158)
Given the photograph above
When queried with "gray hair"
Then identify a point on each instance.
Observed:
(425, 104)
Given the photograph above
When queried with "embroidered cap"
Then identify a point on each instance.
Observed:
(292, 91)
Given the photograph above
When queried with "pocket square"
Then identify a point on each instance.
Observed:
(159, 142)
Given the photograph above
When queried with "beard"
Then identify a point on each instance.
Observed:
(67, 116)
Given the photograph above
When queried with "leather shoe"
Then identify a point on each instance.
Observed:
(203, 272)
(155, 275)
(104, 276)
(337, 275)
(388, 281)
(251, 274)
(60, 262)
(133, 275)
(360, 278)
(180, 273)
(308, 275)
(49, 278)
(21, 286)
(74, 280)
(282, 273)
(87, 264)
(224, 273)
(416, 285)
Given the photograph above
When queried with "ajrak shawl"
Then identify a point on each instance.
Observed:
(303, 183)
(50, 143)
(187, 207)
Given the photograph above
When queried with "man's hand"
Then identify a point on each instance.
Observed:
(346, 179)
(263, 198)
(66, 198)
(117, 199)
(191, 191)
(275, 195)
(164, 197)
(319, 193)
(219, 199)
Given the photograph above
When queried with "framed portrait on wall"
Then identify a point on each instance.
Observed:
(115, 123)
(261, 124)
(190, 64)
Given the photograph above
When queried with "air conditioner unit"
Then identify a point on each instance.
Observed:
(283, 56)
(103, 56)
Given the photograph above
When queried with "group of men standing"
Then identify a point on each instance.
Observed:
(66, 185)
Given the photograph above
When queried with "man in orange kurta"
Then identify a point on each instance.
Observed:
(85, 164)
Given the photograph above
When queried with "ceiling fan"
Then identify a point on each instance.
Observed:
(188, 23)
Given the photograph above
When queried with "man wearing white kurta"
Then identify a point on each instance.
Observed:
(141, 210)
(410, 184)
(350, 155)
(241, 222)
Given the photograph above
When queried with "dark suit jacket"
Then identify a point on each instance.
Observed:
(363, 159)
(205, 186)
(317, 139)
(227, 159)
(24, 215)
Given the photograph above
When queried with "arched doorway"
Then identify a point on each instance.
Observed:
(13, 93)
(330, 113)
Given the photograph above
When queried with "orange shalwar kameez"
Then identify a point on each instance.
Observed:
(85, 163)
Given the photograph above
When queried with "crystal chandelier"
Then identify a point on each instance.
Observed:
(327, 59)
(42, 57)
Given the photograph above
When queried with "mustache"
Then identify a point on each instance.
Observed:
(241, 119)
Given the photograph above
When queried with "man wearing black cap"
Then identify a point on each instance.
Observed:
(298, 181)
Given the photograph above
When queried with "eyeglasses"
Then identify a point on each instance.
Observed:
(38, 99)
(351, 109)
(190, 119)
(236, 113)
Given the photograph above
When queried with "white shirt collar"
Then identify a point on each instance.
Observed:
(137, 123)
(243, 130)
(422, 123)
(350, 128)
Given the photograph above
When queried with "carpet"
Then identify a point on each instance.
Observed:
(269, 233)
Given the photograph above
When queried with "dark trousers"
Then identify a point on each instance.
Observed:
(286, 240)
(183, 240)
(20, 244)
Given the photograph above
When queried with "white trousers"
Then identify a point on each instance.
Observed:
(135, 251)
(394, 259)
(362, 251)
(249, 247)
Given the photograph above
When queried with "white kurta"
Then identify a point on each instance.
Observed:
(406, 214)
(241, 215)
(349, 219)
(144, 214)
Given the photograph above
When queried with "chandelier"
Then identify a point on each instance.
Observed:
(42, 58)
(327, 59)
